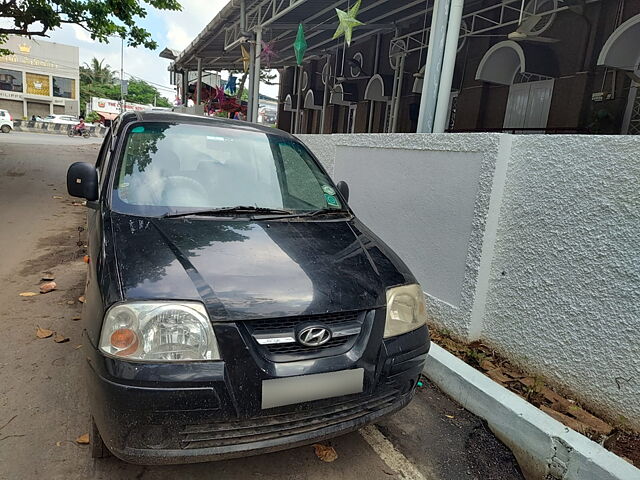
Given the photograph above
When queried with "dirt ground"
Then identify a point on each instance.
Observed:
(43, 404)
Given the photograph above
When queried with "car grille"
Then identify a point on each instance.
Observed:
(297, 348)
(344, 326)
(281, 425)
(274, 324)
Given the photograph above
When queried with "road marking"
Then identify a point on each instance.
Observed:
(389, 454)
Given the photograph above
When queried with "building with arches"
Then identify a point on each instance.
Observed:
(550, 66)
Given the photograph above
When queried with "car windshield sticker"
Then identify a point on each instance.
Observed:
(328, 190)
(331, 200)
(138, 130)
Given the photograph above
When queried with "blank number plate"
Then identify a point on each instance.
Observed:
(286, 391)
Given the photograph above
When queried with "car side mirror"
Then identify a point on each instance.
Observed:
(82, 181)
(343, 188)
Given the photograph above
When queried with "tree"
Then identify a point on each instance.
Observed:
(96, 72)
(102, 19)
(139, 92)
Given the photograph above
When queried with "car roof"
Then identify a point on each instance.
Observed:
(183, 118)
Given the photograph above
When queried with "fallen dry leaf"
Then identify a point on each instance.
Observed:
(83, 439)
(70, 302)
(498, 376)
(77, 347)
(47, 277)
(81, 299)
(57, 197)
(48, 287)
(28, 294)
(75, 319)
(58, 443)
(450, 416)
(60, 338)
(325, 453)
(43, 332)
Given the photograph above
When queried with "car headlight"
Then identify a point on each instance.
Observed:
(159, 332)
(406, 310)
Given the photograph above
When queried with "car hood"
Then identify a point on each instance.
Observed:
(243, 270)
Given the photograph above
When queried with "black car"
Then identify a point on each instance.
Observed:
(234, 305)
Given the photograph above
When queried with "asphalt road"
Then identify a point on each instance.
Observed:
(27, 138)
(43, 403)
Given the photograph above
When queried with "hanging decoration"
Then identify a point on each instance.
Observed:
(347, 21)
(300, 45)
(230, 86)
(246, 59)
(268, 53)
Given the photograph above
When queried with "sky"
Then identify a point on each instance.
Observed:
(170, 29)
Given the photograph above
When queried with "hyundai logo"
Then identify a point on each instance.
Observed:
(314, 336)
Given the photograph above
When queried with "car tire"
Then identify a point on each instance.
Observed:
(98, 448)
(5, 128)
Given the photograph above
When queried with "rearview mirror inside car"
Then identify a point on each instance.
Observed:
(344, 189)
(82, 181)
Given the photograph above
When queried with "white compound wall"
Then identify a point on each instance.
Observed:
(530, 243)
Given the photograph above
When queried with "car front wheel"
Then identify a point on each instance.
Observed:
(5, 128)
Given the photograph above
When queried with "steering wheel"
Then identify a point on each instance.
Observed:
(179, 190)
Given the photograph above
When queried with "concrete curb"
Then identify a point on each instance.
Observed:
(51, 128)
(544, 447)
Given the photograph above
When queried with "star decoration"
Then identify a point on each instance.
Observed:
(300, 45)
(346, 22)
(246, 59)
(268, 53)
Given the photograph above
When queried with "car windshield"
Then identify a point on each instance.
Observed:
(172, 168)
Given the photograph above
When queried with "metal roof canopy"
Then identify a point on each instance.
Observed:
(218, 44)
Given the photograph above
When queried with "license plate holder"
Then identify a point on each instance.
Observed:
(278, 392)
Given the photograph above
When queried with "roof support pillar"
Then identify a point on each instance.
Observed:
(433, 66)
(199, 82)
(448, 65)
(255, 90)
(398, 96)
(252, 72)
(325, 96)
(185, 87)
(299, 99)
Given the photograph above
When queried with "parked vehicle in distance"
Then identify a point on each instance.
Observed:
(234, 305)
(63, 119)
(6, 121)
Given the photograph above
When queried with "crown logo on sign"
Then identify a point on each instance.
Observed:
(24, 48)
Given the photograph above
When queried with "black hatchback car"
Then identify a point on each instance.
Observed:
(235, 305)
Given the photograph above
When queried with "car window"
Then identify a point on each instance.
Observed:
(166, 167)
(102, 165)
(300, 179)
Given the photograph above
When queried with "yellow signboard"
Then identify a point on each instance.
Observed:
(38, 84)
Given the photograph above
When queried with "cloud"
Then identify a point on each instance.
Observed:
(81, 34)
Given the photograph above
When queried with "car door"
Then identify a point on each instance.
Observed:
(96, 211)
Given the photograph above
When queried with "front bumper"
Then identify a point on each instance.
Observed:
(164, 413)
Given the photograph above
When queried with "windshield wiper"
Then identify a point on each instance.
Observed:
(230, 210)
(313, 213)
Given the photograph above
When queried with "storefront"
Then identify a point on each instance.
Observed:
(39, 78)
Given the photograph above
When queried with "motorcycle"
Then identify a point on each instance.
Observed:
(74, 132)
